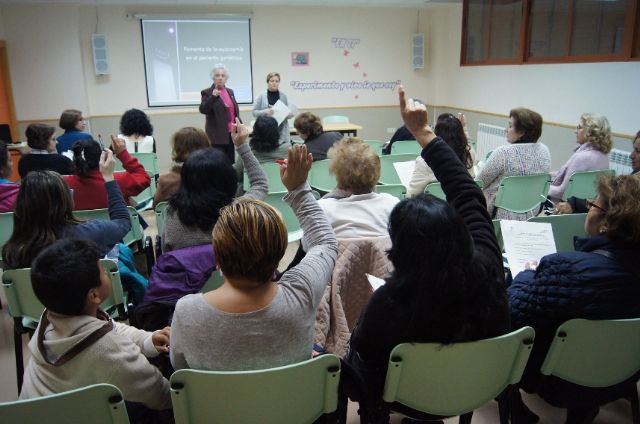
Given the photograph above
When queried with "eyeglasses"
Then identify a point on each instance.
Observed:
(592, 204)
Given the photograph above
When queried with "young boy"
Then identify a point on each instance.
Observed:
(76, 344)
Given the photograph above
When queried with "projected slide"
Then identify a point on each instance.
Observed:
(179, 56)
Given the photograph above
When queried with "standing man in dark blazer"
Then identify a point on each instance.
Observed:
(219, 106)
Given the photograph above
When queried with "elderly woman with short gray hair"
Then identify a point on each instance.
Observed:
(219, 105)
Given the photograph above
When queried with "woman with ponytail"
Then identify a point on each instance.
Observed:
(88, 184)
(209, 182)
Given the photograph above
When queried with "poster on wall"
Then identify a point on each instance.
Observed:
(299, 58)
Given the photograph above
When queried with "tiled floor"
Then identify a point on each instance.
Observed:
(614, 413)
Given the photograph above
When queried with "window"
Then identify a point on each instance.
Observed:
(543, 31)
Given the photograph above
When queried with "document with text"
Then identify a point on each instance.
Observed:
(526, 242)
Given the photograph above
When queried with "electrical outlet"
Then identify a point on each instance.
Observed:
(391, 130)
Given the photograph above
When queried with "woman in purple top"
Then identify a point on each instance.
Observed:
(219, 106)
(593, 134)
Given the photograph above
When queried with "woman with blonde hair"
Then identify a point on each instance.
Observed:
(252, 322)
(184, 142)
(593, 135)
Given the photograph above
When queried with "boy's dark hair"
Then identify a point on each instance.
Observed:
(63, 273)
(38, 135)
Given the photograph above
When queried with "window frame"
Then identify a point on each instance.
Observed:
(630, 47)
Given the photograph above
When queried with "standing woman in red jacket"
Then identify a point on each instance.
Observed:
(88, 184)
(219, 106)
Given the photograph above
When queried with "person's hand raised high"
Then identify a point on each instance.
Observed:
(295, 171)
(415, 117)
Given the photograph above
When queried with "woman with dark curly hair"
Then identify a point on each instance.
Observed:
(600, 280)
(136, 131)
(208, 182)
(448, 283)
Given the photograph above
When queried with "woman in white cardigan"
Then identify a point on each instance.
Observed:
(265, 101)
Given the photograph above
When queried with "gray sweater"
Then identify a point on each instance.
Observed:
(176, 235)
(204, 337)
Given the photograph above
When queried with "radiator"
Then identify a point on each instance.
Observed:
(489, 137)
(620, 161)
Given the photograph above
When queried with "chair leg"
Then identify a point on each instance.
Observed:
(635, 410)
(17, 344)
(465, 418)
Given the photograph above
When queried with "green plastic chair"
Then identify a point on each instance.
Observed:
(6, 229)
(520, 194)
(397, 190)
(456, 379)
(214, 282)
(291, 221)
(584, 185)
(388, 174)
(435, 189)
(26, 309)
(564, 228)
(135, 235)
(376, 145)
(596, 354)
(335, 119)
(96, 404)
(273, 178)
(320, 178)
(161, 213)
(498, 232)
(298, 393)
(406, 146)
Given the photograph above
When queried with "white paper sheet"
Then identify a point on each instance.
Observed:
(405, 171)
(526, 242)
(375, 282)
(280, 112)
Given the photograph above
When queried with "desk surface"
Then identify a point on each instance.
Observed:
(343, 127)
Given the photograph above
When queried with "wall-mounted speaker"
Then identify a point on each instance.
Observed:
(418, 50)
(99, 47)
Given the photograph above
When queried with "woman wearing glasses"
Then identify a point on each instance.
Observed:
(593, 135)
(600, 280)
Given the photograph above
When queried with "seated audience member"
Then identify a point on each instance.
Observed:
(184, 142)
(401, 134)
(309, 127)
(252, 322)
(43, 154)
(265, 143)
(8, 189)
(89, 191)
(576, 205)
(448, 282)
(452, 131)
(523, 156)
(208, 182)
(593, 134)
(600, 280)
(73, 124)
(76, 344)
(136, 130)
(354, 209)
(43, 214)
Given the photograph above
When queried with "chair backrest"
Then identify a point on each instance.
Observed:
(397, 190)
(457, 378)
(388, 173)
(291, 221)
(584, 184)
(6, 229)
(161, 214)
(595, 353)
(215, 281)
(564, 228)
(335, 119)
(320, 178)
(134, 235)
(376, 145)
(435, 189)
(273, 177)
(497, 229)
(96, 404)
(522, 193)
(405, 146)
(144, 199)
(23, 303)
(298, 393)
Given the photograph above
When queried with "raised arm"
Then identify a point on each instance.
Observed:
(258, 185)
(207, 99)
(136, 179)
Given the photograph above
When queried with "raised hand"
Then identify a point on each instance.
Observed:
(239, 133)
(415, 117)
(117, 144)
(107, 165)
(295, 172)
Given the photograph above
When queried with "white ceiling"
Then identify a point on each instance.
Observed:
(330, 3)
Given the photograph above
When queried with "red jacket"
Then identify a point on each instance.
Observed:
(89, 191)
